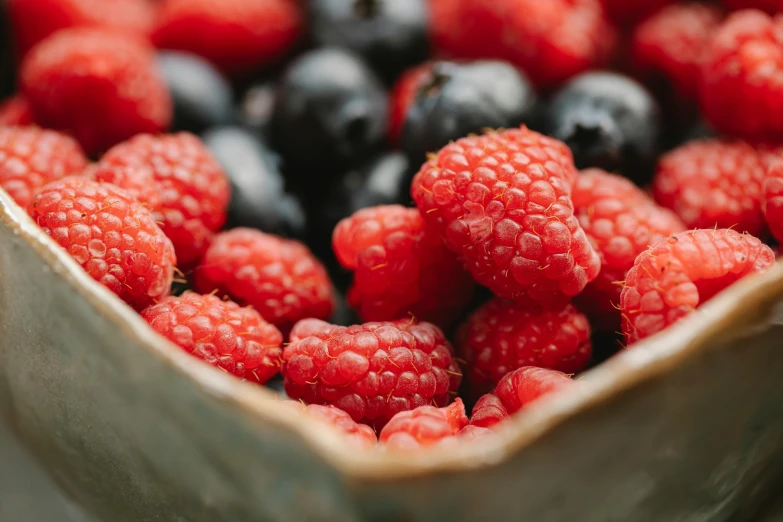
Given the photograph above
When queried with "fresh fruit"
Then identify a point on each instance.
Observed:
(622, 221)
(502, 336)
(202, 96)
(236, 340)
(401, 269)
(625, 12)
(278, 277)
(31, 157)
(177, 177)
(677, 275)
(100, 86)
(371, 371)
(608, 121)
(257, 106)
(742, 76)
(258, 199)
(773, 199)
(402, 96)
(358, 434)
(713, 183)
(113, 237)
(34, 20)
(770, 6)
(238, 36)
(424, 426)
(389, 34)
(502, 202)
(459, 99)
(15, 111)
(516, 391)
(330, 114)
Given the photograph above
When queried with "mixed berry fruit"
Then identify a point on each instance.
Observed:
(375, 198)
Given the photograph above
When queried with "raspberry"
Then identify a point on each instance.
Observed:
(15, 111)
(501, 336)
(34, 20)
(372, 371)
(402, 96)
(773, 199)
(677, 275)
(502, 201)
(551, 41)
(31, 157)
(236, 35)
(515, 391)
(278, 277)
(101, 87)
(668, 45)
(400, 267)
(113, 237)
(742, 77)
(357, 434)
(622, 222)
(713, 183)
(625, 12)
(770, 6)
(424, 426)
(237, 340)
(177, 177)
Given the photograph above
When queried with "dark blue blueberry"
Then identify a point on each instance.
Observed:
(258, 198)
(202, 96)
(609, 121)
(391, 35)
(466, 98)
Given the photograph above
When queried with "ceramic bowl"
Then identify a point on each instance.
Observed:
(687, 426)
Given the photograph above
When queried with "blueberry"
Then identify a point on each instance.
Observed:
(258, 199)
(329, 114)
(202, 96)
(609, 121)
(391, 35)
(461, 99)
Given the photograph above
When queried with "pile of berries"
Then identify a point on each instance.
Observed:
(412, 218)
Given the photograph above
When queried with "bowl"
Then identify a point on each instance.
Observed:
(686, 426)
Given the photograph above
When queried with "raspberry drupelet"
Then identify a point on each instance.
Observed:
(679, 274)
(278, 277)
(113, 237)
(713, 183)
(502, 336)
(31, 157)
(502, 202)
(517, 390)
(401, 268)
(622, 221)
(773, 198)
(179, 179)
(424, 426)
(372, 371)
(358, 434)
(221, 333)
(100, 86)
(15, 111)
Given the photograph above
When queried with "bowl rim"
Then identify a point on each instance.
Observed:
(648, 360)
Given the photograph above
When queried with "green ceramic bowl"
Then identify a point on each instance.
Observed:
(687, 426)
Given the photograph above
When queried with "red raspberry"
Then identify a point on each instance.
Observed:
(713, 183)
(424, 426)
(400, 267)
(502, 336)
(372, 371)
(177, 177)
(625, 12)
(677, 275)
(236, 35)
(278, 277)
(102, 87)
(773, 199)
(236, 340)
(742, 77)
(502, 201)
(551, 41)
(515, 391)
(358, 434)
(669, 43)
(622, 222)
(113, 237)
(402, 96)
(15, 111)
(31, 157)
(770, 6)
(34, 20)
